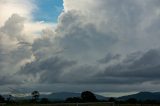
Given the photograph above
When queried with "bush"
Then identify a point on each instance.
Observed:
(73, 100)
(2, 99)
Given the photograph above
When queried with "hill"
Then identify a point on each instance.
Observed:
(64, 95)
(142, 96)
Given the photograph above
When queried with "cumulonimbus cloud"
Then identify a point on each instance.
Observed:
(105, 42)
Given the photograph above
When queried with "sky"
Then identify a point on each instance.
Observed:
(48, 10)
(110, 47)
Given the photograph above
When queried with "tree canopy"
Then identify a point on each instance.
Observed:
(35, 95)
(88, 96)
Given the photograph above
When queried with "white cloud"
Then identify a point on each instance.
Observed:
(34, 29)
(12, 52)
(24, 9)
(9, 7)
(18, 31)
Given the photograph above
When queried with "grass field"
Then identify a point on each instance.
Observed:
(80, 104)
(63, 104)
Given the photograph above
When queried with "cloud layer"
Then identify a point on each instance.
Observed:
(96, 45)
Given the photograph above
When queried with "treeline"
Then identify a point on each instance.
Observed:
(85, 97)
(88, 96)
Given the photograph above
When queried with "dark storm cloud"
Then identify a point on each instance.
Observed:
(109, 57)
(55, 68)
(88, 39)
(144, 68)
(9, 79)
(51, 69)
(74, 53)
(140, 70)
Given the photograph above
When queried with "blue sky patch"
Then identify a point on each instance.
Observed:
(48, 10)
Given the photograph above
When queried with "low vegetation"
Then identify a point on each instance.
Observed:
(87, 99)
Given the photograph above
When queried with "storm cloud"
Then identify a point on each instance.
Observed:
(96, 44)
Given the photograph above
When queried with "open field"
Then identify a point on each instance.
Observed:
(137, 105)
(81, 104)
(63, 104)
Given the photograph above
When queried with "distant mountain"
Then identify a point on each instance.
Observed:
(142, 96)
(64, 95)
(60, 95)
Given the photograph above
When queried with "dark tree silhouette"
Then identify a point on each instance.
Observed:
(2, 99)
(111, 99)
(132, 100)
(35, 95)
(10, 98)
(73, 100)
(88, 96)
(44, 100)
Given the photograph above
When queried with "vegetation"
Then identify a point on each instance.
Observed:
(74, 100)
(35, 96)
(2, 99)
(44, 101)
(86, 97)
(112, 100)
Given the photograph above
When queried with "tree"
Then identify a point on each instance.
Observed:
(10, 98)
(35, 95)
(111, 99)
(88, 96)
(73, 100)
(2, 99)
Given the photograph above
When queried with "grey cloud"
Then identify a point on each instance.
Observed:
(132, 57)
(13, 54)
(112, 80)
(79, 74)
(110, 57)
(144, 69)
(84, 35)
(59, 87)
(81, 38)
(46, 47)
(55, 68)
(9, 79)
(121, 24)
(13, 26)
(149, 59)
(51, 69)
(119, 27)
